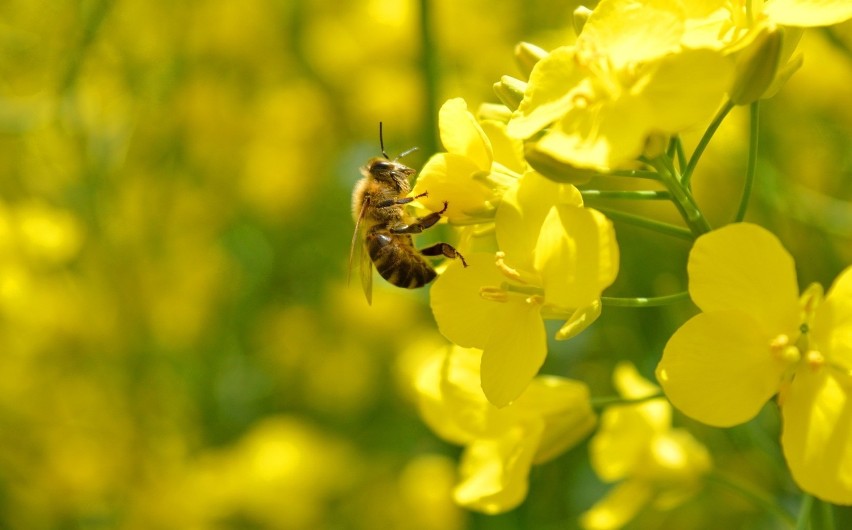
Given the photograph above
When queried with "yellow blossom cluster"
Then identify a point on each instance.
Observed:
(617, 102)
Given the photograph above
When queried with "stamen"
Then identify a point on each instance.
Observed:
(815, 359)
(535, 300)
(494, 294)
(782, 350)
(511, 273)
(779, 343)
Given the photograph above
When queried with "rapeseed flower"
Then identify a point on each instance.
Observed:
(623, 80)
(481, 162)
(501, 444)
(555, 259)
(756, 338)
(636, 444)
(761, 36)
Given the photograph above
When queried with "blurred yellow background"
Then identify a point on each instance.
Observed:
(178, 345)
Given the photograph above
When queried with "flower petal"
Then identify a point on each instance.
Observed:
(462, 135)
(606, 137)
(743, 266)
(621, 444)
(508, 151)
(718, 368)
(808, 13)
(621, 504)
(462, 315)
(581, 318)
(566, 409)
(522, 211)
(832, 326)
(516, 349)
(433, 405)
(577, 256)
(675, 457)
(451, 177)
(817, 435)
(465, 402)
(633, 31)
(673, 109)
(495, 472)
(549, 93)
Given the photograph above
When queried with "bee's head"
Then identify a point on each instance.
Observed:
(388, 171)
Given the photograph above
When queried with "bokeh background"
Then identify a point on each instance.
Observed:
(179, 348)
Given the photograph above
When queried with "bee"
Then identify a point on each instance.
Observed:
(378, 208)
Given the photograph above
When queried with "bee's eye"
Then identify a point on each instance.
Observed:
(381, 166)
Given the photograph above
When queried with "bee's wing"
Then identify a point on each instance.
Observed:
(367, 274)
(365, 262)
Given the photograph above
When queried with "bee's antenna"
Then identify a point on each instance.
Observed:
(382, 142)
(406, 152)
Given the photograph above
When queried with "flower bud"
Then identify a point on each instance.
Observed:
(527, 55)
(581, 15)
(494, 112)
(556, 170)
(757, 66)
(655, 145)
(790, 61)
(582, 318)
(510, 91)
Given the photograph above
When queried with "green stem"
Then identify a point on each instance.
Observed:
(653, 301)
(759, 498)
(827, 516)
(650, 224)
(805, 512)
(648, 195)
(752, 160)
(681, 155)
(600, 403)
(682, 198)
(671, 150)
(705, 140)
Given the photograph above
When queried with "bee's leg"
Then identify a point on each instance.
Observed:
(404, 200)
(443, 249)
(421, 224)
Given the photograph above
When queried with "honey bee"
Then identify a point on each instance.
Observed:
(378, 208)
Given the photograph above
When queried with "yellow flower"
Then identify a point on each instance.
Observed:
(808, 13)
(636, 445)
(481, 162)
(762, 36)
(624, 79)
(501, 445)
(754, 339)
(556, 257)
(720, 21)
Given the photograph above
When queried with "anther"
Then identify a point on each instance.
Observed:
(535, 299)
(782, 350)
(493, 294)
(814, 359)
(511, 273)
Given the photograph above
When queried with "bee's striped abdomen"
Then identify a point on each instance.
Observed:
(397, 260)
